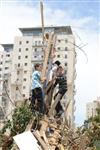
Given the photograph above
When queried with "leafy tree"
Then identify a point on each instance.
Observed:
(16, 125)
(92, 127)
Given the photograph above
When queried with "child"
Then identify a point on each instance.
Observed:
(50, 84)
(61, 80)
(37, 93)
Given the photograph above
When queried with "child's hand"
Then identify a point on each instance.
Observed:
(43, 79)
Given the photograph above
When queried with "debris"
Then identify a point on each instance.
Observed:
(26, 141)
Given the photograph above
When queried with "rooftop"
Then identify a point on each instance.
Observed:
(38, 30)
(7, 47)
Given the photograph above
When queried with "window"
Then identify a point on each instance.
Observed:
(0, 69)
(25, 64)
(6, 61)
(42, 56)
(1, 63)
(27, 42)
(66, 40)
(58, 48)
(26, 49)
(23, 95)
(65, 71)
(20, 42)
(16, 88)
(39, 42)
(59, 41)
(8, 55)
(18, 65)
(19, 49)
(58, 56)
(35, 42)
(65, 56)
(17, 72)
(66, 49)
(25, 71)
(19, 57)
(35, 56)
(24, 87)
(17, 79)
(5, 75)
(26, 56)
(42, 42)
(6, 68)
(35, 49)
(65, 64)
(24, 79)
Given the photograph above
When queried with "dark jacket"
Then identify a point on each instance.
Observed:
(61, 80)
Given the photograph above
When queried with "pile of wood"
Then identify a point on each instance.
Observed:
(53, 134)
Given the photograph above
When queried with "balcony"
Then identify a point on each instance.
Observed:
(37, 58)
(37, 53)
(6, 76)
(39, 44)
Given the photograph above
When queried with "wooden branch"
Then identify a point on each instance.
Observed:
(38, 137)
(43, 129)
(51, 111)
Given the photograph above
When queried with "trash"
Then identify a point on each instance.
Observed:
(26, 141)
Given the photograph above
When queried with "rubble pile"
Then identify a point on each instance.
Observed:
(52, 133)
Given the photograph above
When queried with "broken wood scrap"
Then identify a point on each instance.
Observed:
(41, 141)
(29, 126)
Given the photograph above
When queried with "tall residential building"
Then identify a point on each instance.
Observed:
(91, 108)
(5, 73)
(28, 50)
(1, 84)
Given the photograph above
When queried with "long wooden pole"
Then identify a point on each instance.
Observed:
(42, 20)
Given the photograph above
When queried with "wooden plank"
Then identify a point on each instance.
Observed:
(51, 111)
(44, 125)
(30, 124)
(82, 144)
(42, 20)
(43, 144)
(47, 53)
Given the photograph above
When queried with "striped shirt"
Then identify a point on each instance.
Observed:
(61, 80)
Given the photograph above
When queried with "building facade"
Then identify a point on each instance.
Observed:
(5, 74)
(91, 108)
(28, 50)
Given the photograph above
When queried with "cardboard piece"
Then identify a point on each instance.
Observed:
(26, 141)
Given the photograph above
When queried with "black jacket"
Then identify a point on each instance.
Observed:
(61, 80)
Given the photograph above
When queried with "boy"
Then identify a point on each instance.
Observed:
(61, 80)
(37, 93)
(50, 84)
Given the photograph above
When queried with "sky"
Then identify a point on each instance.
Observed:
(83, 16)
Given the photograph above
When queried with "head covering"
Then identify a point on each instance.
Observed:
(57, 63)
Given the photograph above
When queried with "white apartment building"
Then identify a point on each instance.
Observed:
(5, 72)
(28, 50)
(1, 84)
(91, 108)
